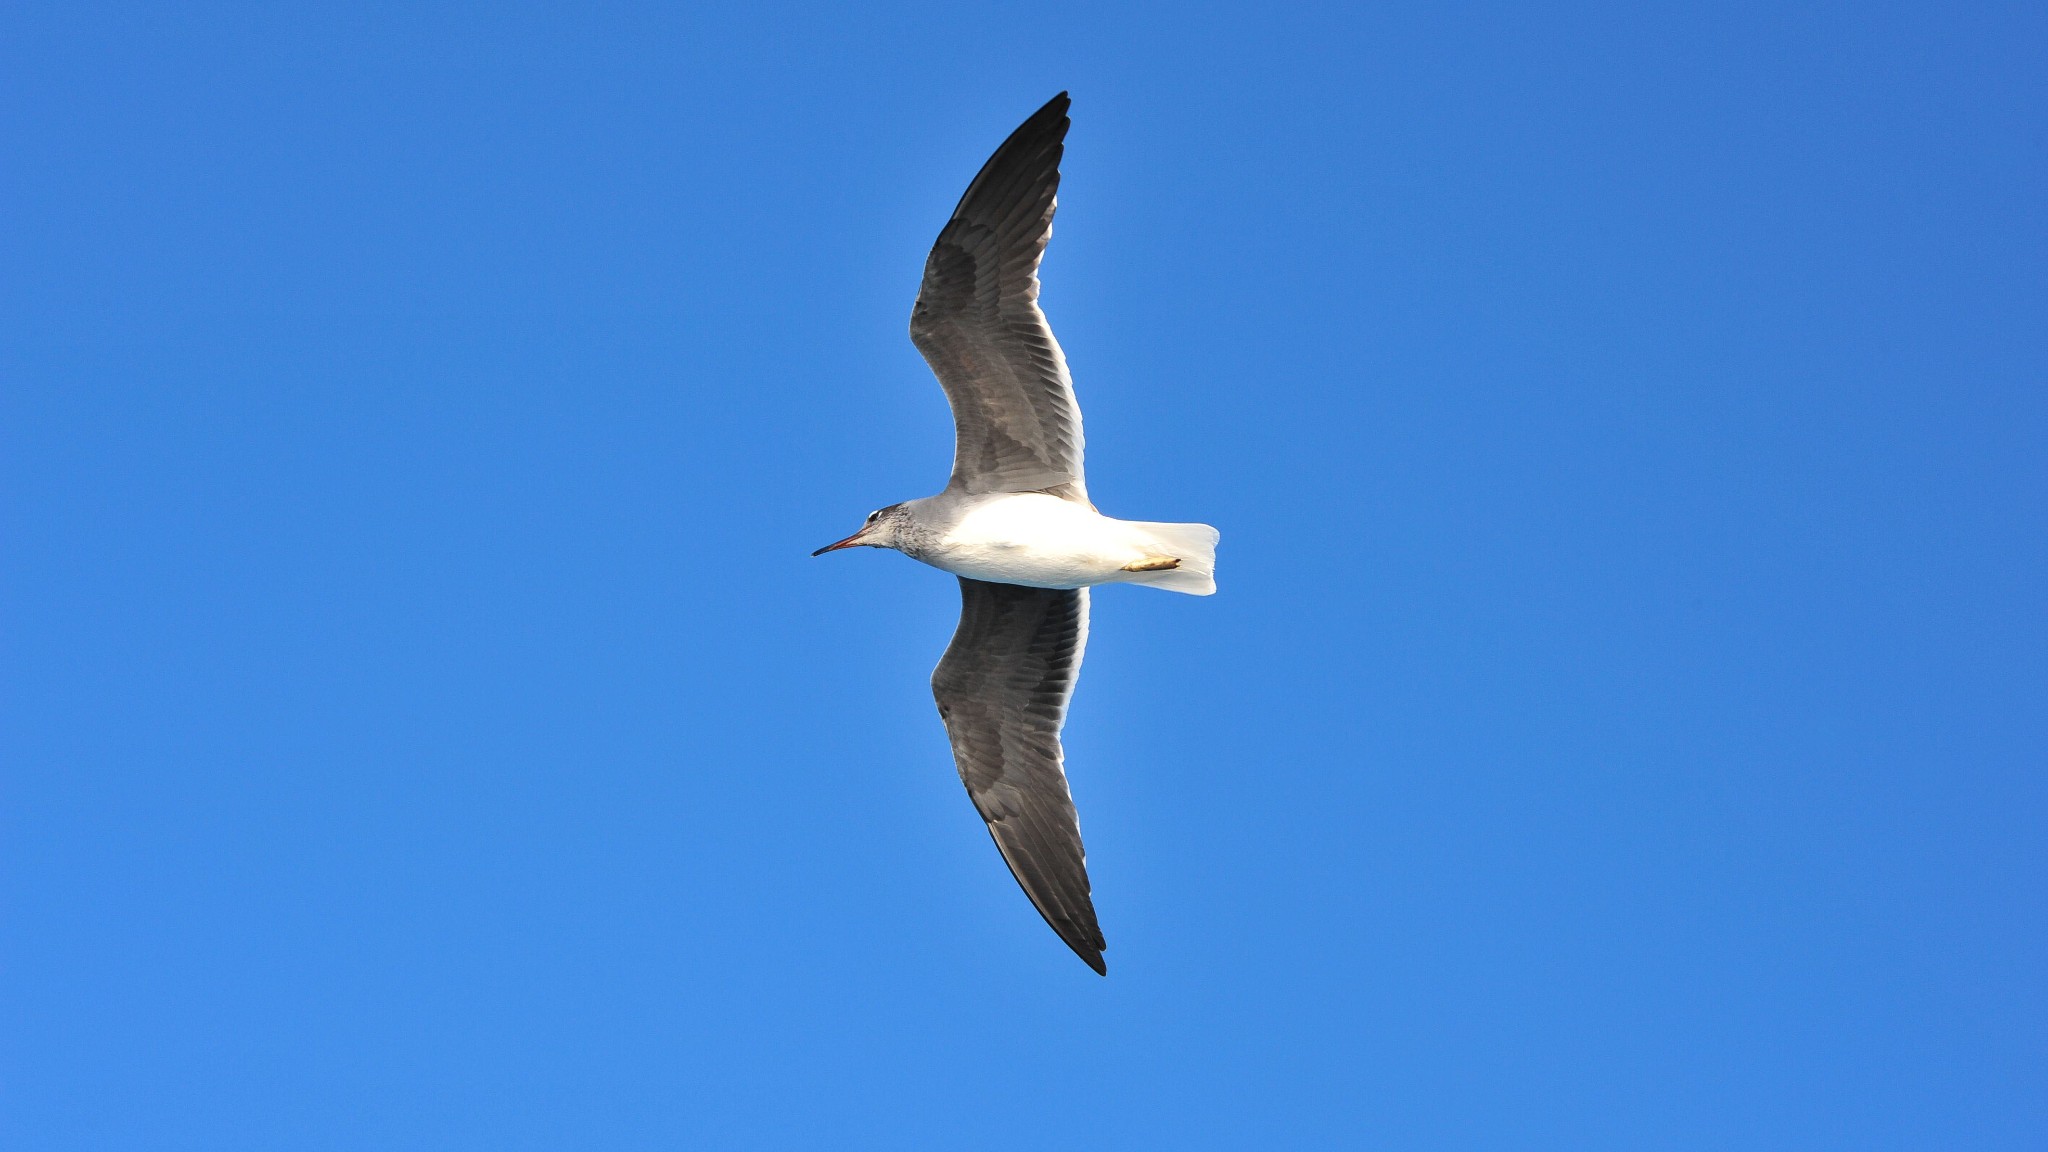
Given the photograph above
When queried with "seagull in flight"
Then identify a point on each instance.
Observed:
(1015, 524)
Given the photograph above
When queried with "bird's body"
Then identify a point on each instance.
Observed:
(1042, 541)
(1015, 524)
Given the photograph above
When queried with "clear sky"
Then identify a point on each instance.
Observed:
(1622, 724)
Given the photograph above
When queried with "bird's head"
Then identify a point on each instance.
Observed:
(882, 530)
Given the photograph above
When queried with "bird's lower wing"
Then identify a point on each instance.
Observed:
(1002, 689)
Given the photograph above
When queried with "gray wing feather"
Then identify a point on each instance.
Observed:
(1002, 689)
(1017, 427)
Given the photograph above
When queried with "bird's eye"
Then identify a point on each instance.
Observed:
(874, 516)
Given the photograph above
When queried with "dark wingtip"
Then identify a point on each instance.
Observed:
(1052, 112)
(1090, 951)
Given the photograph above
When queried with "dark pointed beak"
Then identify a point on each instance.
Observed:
(852, 541)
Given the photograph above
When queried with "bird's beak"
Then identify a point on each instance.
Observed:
(852, 541)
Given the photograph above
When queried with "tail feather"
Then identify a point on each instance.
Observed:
(1194, 545)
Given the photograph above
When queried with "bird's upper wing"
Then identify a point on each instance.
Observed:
(1003, 688)
(1016, 425)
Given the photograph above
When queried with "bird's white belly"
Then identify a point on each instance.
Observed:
(1036, 540)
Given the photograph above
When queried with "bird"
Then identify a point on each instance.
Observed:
(1015, 524)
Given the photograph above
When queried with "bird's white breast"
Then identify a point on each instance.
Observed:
(1030, 538)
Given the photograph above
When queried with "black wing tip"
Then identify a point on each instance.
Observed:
(1086, 941)
(1050, 123)
(1042, 134)
(1052, 114)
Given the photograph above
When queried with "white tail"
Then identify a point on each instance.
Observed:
(1194, 545)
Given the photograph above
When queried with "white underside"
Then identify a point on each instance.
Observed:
(1047, 542)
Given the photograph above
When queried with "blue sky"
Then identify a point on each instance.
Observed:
(1621, 726)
